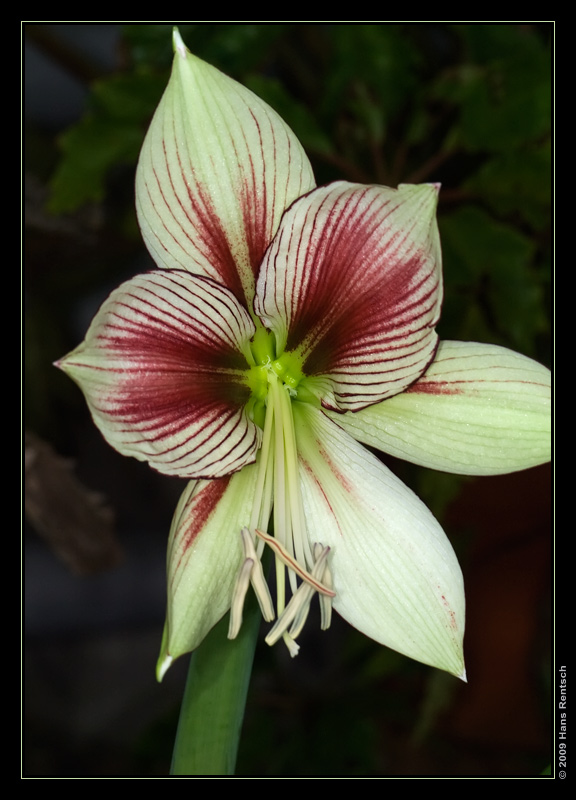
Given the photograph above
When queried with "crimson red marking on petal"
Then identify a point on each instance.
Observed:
(204, 230)
(254, 206)
(453, 620)
(433, 387)
(198, 511)
(173, 394)
(168, 358)
(332, 465)
(176, 375)
(217, 251)
(424, 386)
(306, 466)
(339, 250)
(374, 317)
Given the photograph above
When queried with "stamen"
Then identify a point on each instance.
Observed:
(293, 647)
(257, 577)
(297, 608)
(278, 492)
(320, 567)
(291, 562)
(250, 571)
(302, 613)
(238, 597)
(296, 543)
(296, 612)
(325, 601)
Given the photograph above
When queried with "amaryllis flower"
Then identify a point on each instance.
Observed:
(286, 324)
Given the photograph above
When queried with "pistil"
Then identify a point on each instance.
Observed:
(275, 383)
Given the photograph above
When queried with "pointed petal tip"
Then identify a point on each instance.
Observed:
(63, 363)
(217, 169)
(420, 188)
(399, 582)
(179, 46)
(463, 677)
(164, 664)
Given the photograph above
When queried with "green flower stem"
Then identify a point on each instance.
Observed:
(214, 699)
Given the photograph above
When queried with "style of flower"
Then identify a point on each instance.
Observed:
(286, 324)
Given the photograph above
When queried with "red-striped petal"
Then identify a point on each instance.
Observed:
(162, 368)
(204, 556)
(217, 169)
(479, 409)
(352, 283)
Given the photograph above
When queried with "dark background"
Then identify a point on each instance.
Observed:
(467, 105)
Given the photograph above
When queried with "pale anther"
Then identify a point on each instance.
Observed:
(292, 619)
(238, 596)
(250, 571)
(257, 577)
(325, 601)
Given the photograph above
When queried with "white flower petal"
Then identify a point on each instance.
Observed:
(395, 574)
(204, 557)
(216, 171)
(479, 409)
(352, 285)
(163, 371)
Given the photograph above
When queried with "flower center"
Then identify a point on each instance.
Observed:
(274, 382)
